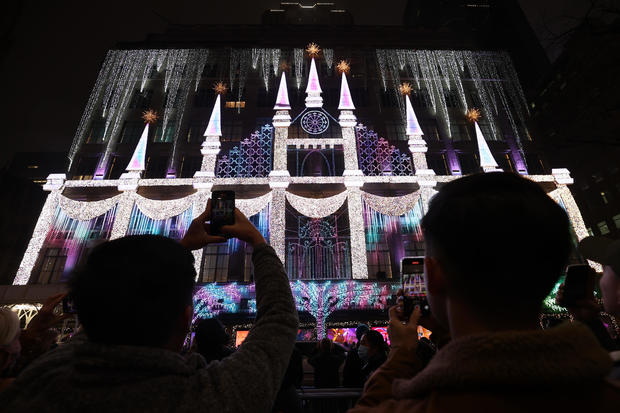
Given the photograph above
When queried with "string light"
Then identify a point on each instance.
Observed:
(316, 207)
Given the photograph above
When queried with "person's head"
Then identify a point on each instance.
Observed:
(10, 347)
(360, 330)
(325, 346)
(496, 243)
(210, 333)
(606, 252)
(136, 290)
(374, 341)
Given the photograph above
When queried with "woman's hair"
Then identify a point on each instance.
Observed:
(375, 340)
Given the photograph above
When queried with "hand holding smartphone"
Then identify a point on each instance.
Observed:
(414, 287)
(222, 210)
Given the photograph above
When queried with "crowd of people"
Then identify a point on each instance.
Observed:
(496, 245)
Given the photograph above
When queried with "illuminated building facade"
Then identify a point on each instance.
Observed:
(333, 152)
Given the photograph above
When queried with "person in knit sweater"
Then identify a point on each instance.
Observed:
(496, 244)
(134, 300)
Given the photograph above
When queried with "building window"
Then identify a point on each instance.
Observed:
(388, 99)
(266, 99)
(460, 131)
(96, 133)
(379, 260)
(215, 263)
(117, 167)
(420, 98)
(195, 133)
(602, 226)
(232, 130)
(429, 127)
(616, 219)
(168, 136)
(359, 97)
(85, 168)
(204, 98)
(52, 266)
(235, 104)
(469, 163)
(156, 167)
(141, 100)
(438, 163)
(395, 130)
(189, 166)
(132, 130)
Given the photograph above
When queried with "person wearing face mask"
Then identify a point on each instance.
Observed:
(9, 345)
(351, 373)
(372, 351)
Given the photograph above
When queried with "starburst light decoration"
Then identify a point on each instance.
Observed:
(150, 116)
(343, 67)
(313, 49)
(405, 89)
(473, 115)
(220, 88)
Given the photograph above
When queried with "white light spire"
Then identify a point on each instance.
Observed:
(313, 90)
(413, 127)
(282, 102)
(136, 164)
(487, 162)
(346, 101)
(214, 128)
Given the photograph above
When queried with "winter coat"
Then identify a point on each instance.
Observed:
(91, 377)
(562, 370)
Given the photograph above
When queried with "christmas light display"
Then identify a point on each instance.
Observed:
(316, 246)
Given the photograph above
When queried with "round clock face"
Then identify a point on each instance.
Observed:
(314, 122)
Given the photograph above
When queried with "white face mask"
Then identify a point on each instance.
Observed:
(363, 352)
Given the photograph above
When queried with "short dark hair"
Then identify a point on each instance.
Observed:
(502, 241)
(132, 290)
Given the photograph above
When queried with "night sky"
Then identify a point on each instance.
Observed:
(51, 53)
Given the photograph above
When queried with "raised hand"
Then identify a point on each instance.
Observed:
(199, 234)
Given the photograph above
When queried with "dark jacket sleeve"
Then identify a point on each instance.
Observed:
(249, 379)
(378, 390)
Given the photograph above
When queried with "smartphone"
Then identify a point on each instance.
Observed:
(414, 287)
(578, 284)
(222, 210)
(67, 305)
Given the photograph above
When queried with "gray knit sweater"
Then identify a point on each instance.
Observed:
(89, 377)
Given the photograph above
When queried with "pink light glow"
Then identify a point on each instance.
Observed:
(137, 160)
(313, 81)
(214, 128)
(282, 101)
(346, 102)
(413, 127)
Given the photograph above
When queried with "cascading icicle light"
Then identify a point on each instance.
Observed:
(173, 227)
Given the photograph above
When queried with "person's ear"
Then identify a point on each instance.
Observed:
(435, 277)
